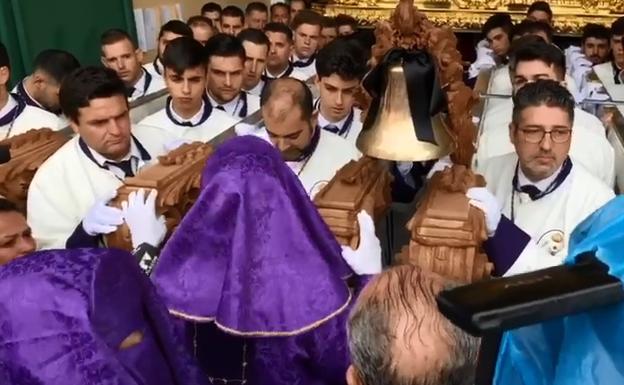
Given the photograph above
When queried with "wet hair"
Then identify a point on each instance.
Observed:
(532, 27)
(617, 28)
(540, 6)
(224, 45)
(56, 63)
(175, 26)
(4, 57)
(301, 94)
(184, 53)
(279, 28)
(256, 6)
(254, 36)
(210, 7)
(197, 21)
(498, 20)
(343, 57)
(85, 84)
(542, 92)
(306, 17)
(233, 11)
(530, 48)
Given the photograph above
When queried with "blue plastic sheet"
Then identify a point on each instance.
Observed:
(583, 349)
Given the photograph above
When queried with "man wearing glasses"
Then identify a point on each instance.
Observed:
(537, 195)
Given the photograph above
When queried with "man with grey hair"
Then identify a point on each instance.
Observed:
(398, 337)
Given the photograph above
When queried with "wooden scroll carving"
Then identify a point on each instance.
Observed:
(176, 177)
(446, 232)
(358, 185)
(28, 152)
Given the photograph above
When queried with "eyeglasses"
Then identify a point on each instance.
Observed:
(559, 135)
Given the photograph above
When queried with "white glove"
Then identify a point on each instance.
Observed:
(102, 219)
(441, 165)
(174, 144)
(140, 215)
(484, 200)
(366, 260)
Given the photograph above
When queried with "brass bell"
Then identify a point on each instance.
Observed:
(392, 135)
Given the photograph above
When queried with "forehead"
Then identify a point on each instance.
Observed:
(188, 73)
(545, 116)
(309, 28)
(231, 20)
(534, 68)
(539, 15)
(277, 37)
(495, 32)
(123, 45)
(225, 62)
(596, 40)
(253, 49)
(12, 222)
(257, 13)
(168, 36)
(338, 82)
(103, 108)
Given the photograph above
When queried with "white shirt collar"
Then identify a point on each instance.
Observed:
(296, 58)
(270, 75)
(257, 89)
(101, 160)
(323, 122)
(29, 95)
(10, 104)
(232, 107)
(194, 120)
(139, 86)
(542, 185)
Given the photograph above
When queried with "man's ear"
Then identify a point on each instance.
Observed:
(5, 75)
(353, 377)
(74, 126)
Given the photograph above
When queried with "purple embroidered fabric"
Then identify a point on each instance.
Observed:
(65, 313)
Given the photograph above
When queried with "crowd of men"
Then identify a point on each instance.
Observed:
(254, 283)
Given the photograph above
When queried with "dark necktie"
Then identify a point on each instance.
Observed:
(220, 108)
(124, 165)
(332, 128)
(531, 190)
(130, 91)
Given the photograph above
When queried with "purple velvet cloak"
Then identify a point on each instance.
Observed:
(64, 314)
(253, 258)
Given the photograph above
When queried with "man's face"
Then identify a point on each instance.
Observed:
(345, 30)
(337, 96)
(289, 133)
(279, 50)
(531, 71)
(295, 7)
(255, 62)
(215, 17)
(186, 89)
(164, 40)
(47, 90)
(15, 237)
(596, 50)
(231, 25)
(618, 51)
(202, 33)
(104, 125)
(499, 41)
(225, 77)
(306, 40)
(256, 19)
(539, 16)
(124, 59)
(280, 15)
(540, 160)
(327, 36)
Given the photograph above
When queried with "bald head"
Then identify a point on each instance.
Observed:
(397, 335)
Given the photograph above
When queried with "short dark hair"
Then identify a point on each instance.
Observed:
(390, 315)
(328, 22)
(540, 6)
(184, 53)
(233, 11)
(535, 48)
(498, 20)
(543, 92)
(617, 28)
(4, 57)
(343, 19)
(254, 36)
(282, 5)
(6, 206)
(526, 27)
(115, 35)
(85, 84)
(197, 20)
(342, 57)
(279, 28)
(596, 31)
(224, 45)
(306, 17)
(256, 6)
(56, 63)
(175, 26)
(302, 96)
(210, 7)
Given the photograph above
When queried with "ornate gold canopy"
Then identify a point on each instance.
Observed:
(570, 15)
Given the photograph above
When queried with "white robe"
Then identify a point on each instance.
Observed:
(354, 130)
(549, 220)
(234, 107)
(156, 84)
(589, 146)
(304, 73)
(604, 72)
(159, 132)
(30, 118)
(63, 191)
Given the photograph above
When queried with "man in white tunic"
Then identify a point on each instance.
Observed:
(121, 54)
(613, 71)
(16, 117)
(542, 193)
(340, 66)
(530, 62)
(67, 199)
(168, 32)
(307, 31)
(315, 155)
(256, 46)
(226, 64)
(494, 48)
(280, 47)
(188, 115)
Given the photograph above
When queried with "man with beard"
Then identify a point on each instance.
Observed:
(613, 71)
(169, 31)
(256, 46)
(594, 50)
